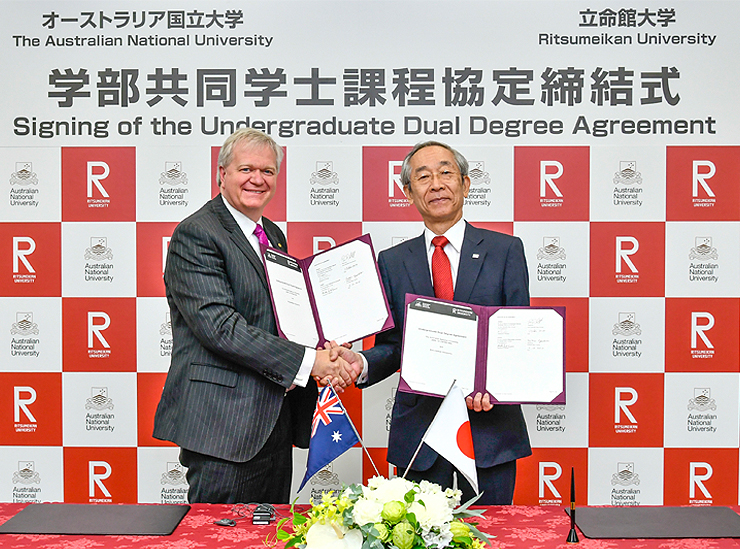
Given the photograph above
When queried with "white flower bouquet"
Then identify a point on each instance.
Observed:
(385, 514)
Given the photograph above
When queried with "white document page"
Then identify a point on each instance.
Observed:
(440, 343)
(347, 292)
(525, 355)
(290, 297)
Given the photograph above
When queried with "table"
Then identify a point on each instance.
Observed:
(514, 527)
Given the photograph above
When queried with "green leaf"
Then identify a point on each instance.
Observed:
(480, 535)
(292, 542)
(468, 503)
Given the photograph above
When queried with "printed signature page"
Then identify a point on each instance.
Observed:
(440, 343)
(525, 355)
(347, 292)
(290, 299)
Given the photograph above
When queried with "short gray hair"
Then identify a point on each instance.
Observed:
(249, 136)
(462, 163)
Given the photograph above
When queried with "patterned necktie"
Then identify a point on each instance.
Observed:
(441, 271)
(261, 236)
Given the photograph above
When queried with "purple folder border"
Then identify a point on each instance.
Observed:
(481, 356)
(304, 264)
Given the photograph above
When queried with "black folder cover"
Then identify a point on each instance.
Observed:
(85, 519)
(658, 522)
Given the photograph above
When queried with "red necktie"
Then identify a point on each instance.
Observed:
(261, 236)
(441, 271)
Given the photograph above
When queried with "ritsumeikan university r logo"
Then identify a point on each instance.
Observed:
(701, 323)
(99, 183)
(23, 419)
(23, 270)
(550, 194)
(624, 397)
(625, 270)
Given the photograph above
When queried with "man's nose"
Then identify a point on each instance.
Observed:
(258, 176)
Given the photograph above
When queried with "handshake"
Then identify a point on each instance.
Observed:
(338, 365)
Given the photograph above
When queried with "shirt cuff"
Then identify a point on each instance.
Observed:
(304, 373)
(362, 378)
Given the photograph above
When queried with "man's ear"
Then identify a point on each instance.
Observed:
(466, 185)
(408, 193)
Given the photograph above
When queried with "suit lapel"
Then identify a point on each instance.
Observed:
(237, 237)
(274, 235)
(472, 256)
(417, 267)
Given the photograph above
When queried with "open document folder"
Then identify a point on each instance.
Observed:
(334, 295)
(516, 354)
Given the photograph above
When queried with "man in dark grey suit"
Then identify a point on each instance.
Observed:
(237, 396)
(482, 267)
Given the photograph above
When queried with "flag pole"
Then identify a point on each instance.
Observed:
(362, 443)
(416, 453)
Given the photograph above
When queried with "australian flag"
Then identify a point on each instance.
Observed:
(332, 433)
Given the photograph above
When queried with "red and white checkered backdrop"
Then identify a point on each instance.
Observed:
(605, 135)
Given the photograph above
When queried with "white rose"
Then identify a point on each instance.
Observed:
(441, 539)
(419, 511)
(429, 487)
(375, 482)
(453, 497)
(365, 511)
(431, 510)
(326, 536)
(391, 490)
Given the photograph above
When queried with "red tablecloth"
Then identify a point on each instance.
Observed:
(514, 527)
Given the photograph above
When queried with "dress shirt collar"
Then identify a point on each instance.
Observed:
(455, 235)
(245, 224)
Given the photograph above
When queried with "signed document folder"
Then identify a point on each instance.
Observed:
(516, 354)
(335, 295)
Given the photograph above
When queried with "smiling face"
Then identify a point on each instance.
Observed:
(248, 183)
(437, 188)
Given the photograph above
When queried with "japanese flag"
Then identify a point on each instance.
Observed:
(450, 436)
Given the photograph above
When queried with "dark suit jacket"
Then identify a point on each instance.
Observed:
(229, 370)
(492, 271)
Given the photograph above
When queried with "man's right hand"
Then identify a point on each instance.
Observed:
(330, 367)
(353, 360)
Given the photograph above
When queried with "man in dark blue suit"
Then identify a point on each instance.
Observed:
(488, 268)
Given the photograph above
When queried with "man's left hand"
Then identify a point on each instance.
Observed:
(479, 403)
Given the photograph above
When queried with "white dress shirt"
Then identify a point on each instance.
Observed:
(247, 227)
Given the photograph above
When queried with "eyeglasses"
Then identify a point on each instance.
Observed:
(445, 176)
